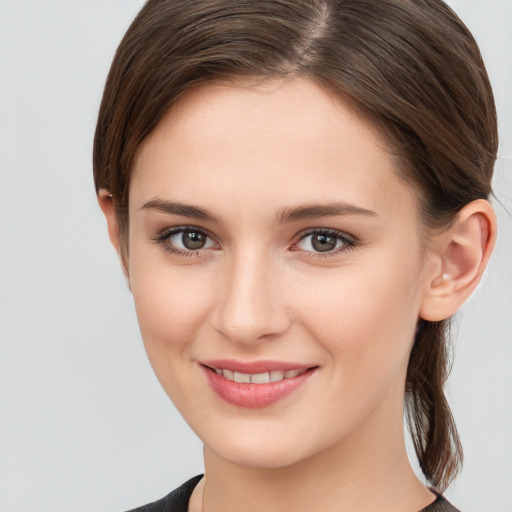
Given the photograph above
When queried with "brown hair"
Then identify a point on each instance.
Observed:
(411, 65)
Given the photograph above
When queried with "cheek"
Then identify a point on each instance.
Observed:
(364, 320)
(171, 307)
(367, 313)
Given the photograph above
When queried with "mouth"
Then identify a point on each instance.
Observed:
(257, 384)
(258, 378)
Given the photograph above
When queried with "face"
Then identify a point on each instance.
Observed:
(275, 260)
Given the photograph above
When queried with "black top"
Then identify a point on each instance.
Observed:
(177, 501)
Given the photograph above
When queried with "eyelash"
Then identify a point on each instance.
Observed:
(348, 242)
(163, 239)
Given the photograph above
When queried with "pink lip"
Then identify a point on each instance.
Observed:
(254, 395)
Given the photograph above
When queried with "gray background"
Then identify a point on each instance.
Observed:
(84, 425)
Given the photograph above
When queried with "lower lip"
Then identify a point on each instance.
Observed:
(253, 396)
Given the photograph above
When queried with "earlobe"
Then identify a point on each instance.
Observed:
(462, 253)
(106, 203)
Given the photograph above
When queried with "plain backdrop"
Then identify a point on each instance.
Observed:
(84, 425)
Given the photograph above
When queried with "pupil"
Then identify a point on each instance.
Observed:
(193, 240)
(323, 243)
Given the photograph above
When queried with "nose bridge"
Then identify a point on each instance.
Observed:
(250, 306)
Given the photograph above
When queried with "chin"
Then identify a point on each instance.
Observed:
(260, 452)
(259, 458)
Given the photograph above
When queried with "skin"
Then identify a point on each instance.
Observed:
(259, 290)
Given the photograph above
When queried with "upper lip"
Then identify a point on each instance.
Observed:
(254, 367)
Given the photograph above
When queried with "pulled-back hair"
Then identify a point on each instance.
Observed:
(411, 66)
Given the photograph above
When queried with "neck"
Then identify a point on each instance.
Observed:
(367, 471)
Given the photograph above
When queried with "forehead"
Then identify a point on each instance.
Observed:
(261, 141)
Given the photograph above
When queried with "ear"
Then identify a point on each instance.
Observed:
(107, 207)
(459, 256)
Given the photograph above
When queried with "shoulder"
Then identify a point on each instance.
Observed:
(441, 504)
(176, 501)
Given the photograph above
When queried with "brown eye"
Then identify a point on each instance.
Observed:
(186, 241)
(325, 241)
(193, 240)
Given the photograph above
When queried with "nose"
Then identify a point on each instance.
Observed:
(251, 304)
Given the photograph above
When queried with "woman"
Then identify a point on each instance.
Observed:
(298, 194)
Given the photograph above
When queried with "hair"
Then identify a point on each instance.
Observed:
(412, 66)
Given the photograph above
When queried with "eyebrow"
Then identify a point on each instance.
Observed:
(316, 211)
(184, 210)
(287, 215)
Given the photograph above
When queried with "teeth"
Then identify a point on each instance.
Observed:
(276, 376)
(292, 373)
(242, 377)
(258, 378)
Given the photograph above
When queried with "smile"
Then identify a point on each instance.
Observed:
(258, 378)
(247, 385)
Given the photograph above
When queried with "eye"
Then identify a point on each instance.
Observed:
(325, 241)
(185, 240)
